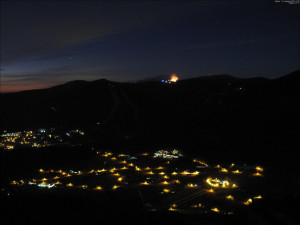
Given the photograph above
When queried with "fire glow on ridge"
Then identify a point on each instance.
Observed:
(174, 78)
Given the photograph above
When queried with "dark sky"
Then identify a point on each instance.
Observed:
(48, 43)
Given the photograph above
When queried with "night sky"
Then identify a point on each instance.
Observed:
(48, 43)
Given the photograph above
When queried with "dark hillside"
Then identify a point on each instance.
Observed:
(220, 113)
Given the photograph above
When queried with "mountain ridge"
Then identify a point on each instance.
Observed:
(73, 83)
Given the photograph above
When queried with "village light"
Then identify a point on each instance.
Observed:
(229, 197)
(215, 210)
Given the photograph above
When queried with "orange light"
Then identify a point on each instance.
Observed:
(174, 78)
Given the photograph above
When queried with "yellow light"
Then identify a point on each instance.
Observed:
(217, 166)
(41, 171)
(113, 158)
(232, 165)
(215, 210)
(145, 154)
(69, 185)
(100, 171)
(248, 201)
(137, 168)
(258, 197)
(84, 186)
(210, 190)
(165, 182)
(98, 188)
(166, 190)
(234, 186)
(147, 168)
(124, 162)
(56, 177)
(230, 197)
(121, 155)
(120, 179)
(14, 182)
(57, 183)
(174, 173)
(124, 168)
(115, 187)
(225, 184)
(116, 174)
(260, 169)
(131, 164)
(177, 181)
(161, 173)
(172, 209)
(195, 173)
(224, 170)
(185, 173)
(44, 179)
(68, 175)
(160, 168)
(213, 182)
(145, 183)
(150, 173)
(257, 174)
(236, 172)
(166, 177)
(190, 185)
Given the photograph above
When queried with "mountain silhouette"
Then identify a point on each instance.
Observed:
(213, 111)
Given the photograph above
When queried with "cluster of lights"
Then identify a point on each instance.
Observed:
(167, 154)
(218, 183)
(174, 78)
(161, 173)
(34, 138)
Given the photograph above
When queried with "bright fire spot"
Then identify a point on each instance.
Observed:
(174, 78)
